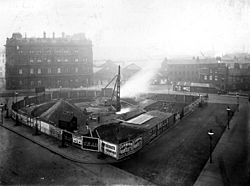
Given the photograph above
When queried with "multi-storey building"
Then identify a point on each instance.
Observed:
(239, 79)
(215, 74)
(2, 68)
(49, 62)
(195, 70)
(180, 70)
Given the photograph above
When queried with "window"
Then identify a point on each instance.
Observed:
(76, 70)
(205, 77)
(76, 60)
(39, 71)
(58, 60)
(48, 60)
(39, 60)
(66, 60)
(31, 60)
(39, 82)
(210, 77)
(20, 71)
(31, 71)
(49, 70)
(58, 70)
(216, 78)
(20, 82)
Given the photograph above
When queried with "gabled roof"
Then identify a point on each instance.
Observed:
(54, 113)
(106, 70)
(132, 66)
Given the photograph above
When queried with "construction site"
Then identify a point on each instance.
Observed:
(102, 120)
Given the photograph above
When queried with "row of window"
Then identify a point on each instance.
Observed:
(49, 70)
(58, 60)
(210, 77)
(183, 72)
(40, 82)
(47, 51)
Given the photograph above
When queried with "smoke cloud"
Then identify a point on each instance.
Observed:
(139, 83)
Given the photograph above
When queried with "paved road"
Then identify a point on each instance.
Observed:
(231, 156)
(177, 157)
(23, 162)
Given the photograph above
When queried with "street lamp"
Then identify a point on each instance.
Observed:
(210, 134)
(238, 101)
(228, 114)
(1, 109)
(17, 121)
(16, 93)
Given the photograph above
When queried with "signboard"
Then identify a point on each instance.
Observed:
(138, 143)
(39, 89)
(90, 143)
(130, 147)
(109, 149)
(77, 140)
(56, 132)
(45, 127)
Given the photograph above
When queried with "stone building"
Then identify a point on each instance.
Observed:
(2, 68)
(56, 62)
(195, 70)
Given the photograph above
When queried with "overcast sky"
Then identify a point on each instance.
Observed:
(135, 29)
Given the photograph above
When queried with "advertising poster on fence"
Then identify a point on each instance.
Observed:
(45, 128)
(56, 132)
(89, 143)
(109, 149)
(77, 140)
(129, 147)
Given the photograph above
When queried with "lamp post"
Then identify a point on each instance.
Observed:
(210, 134)
(17, 121)
(1, 109)
(16, 93)
(238, 101)
(228, 114)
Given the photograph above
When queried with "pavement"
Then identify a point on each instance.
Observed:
(231, 156)
(108, 173)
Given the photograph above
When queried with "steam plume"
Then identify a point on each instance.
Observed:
(139, 83)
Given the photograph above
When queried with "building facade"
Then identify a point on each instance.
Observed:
(215, 74)
(2, 68)
(239, 79)
(195, 70)
(64, 62)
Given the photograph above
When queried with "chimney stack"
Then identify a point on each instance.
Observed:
(44, 35)
(53, 35)
(63, 34)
